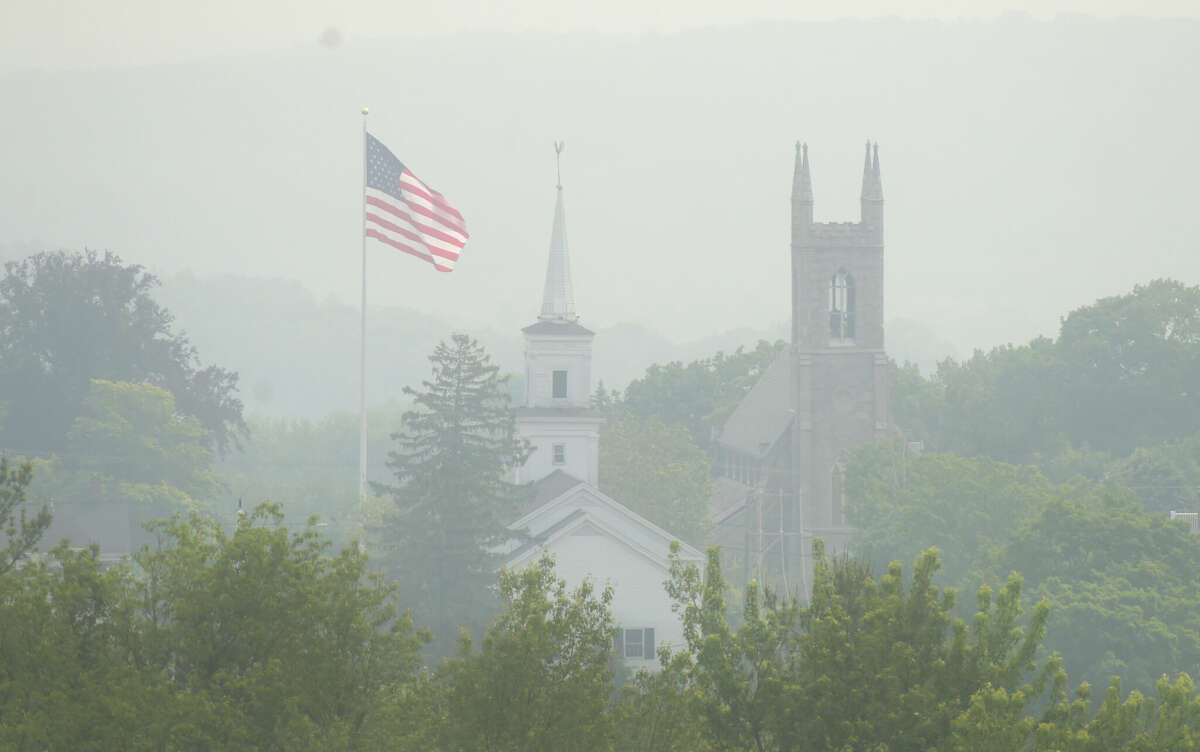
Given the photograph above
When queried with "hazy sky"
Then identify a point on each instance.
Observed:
(82, 33)
(1030, 167)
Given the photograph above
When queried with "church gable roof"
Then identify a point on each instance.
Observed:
(581, 502)
(765, 413)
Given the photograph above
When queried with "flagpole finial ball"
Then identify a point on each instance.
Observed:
(364, 110)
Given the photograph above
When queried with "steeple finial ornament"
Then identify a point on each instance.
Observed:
(558, 299)
(558, 150)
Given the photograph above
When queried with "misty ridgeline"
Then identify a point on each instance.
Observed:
(767, 528)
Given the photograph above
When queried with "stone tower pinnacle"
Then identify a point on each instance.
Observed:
(872, 187)
(801, 179)
(872, 193)
(802, 197)
(558, 299)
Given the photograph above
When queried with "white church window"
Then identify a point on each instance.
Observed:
(560, 385)
(634, 643)
(560, 454)
(841, 306)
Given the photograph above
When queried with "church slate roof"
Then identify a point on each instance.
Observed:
(763, 416)
(549, 488)
(558, 327)
(728, 496)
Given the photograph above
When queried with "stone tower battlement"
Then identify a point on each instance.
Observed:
(842, 234)
(867, 232)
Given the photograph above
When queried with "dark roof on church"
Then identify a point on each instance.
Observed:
(764, 415)
(557, 327)
(547, 489)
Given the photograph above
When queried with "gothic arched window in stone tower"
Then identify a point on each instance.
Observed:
(841, 306)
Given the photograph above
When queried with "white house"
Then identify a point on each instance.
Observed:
(589, 533)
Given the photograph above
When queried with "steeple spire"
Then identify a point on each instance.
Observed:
(801, 179)
(558, 299)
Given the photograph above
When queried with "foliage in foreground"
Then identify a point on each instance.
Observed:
(255, 640)
(261, 639)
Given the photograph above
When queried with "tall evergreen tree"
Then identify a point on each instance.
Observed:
(452, 496)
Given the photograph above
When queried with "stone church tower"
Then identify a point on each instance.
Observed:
(781, 454)
(555, 416)
(839, 367)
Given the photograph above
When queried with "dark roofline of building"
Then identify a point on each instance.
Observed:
(560, 328)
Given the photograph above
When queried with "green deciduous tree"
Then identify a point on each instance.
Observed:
(453, 498)
(702, 394)
(1165, 477)
(1121, 374)
(129, 444)
(1123, 583)
(656, 470)
(134, 435)
(70, 643)
(1125, 586)
(1131, 367)
(271, 643)
(68, 318)
(905, 503)
(542, 678)
(867, 665)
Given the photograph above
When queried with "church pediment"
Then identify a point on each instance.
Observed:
(583, 510)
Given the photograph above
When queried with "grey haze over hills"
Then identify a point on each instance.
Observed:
(297, 356)
(1029, 168)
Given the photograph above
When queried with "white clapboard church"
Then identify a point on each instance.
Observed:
(589, 533)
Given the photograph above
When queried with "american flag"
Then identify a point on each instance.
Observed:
(408, 215)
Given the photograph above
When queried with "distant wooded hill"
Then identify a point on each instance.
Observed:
(297, 355)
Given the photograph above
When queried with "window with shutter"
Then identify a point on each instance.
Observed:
(634, 643)
(560, 385)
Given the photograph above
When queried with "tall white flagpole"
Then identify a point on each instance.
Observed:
(362, 404)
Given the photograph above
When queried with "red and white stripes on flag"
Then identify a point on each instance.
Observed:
(406, 214)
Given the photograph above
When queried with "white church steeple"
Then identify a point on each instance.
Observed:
(556, 416)
(558, 299)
